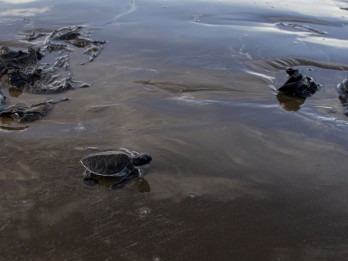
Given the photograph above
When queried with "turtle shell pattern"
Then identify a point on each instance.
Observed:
(109, 163)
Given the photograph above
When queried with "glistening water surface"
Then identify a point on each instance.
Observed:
(236, 174)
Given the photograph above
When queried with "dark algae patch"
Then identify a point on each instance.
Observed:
(23, 113)
(23, 71)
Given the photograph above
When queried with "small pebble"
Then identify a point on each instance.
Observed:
(192, 196)
(144, 211)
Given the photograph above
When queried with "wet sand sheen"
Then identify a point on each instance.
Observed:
(234, 176)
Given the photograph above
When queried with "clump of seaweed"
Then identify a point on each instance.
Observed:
(23, 71)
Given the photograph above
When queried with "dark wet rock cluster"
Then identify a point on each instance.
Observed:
(342, 89)
(296, 89)
(23, 71)
(299, 85)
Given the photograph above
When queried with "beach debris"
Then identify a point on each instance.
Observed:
(299, 85)
(342, 89)
(23, 113)
(121, 165)
(23, 71)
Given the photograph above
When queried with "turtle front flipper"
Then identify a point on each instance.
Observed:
(87, 174)
(134, 173)
(88, 179)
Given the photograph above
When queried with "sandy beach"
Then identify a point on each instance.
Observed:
(238, 173)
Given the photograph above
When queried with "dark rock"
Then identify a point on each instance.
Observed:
(10, 59)
(342, 89)
(21, 78)
(299, 85)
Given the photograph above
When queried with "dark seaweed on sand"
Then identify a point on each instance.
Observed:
(23, 71)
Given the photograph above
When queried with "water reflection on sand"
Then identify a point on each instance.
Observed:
(237, 174)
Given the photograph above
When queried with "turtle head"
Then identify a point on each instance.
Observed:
(141, 159)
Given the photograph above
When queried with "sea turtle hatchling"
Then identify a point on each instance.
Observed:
(121, 165)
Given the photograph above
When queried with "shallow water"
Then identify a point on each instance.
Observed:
(236, 174)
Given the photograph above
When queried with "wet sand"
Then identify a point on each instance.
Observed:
(235, 174)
